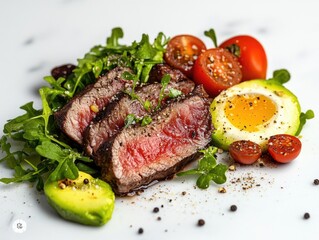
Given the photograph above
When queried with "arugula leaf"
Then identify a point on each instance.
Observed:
(208, 169)
(113, 40)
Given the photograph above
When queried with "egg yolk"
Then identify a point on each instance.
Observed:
(248, 111)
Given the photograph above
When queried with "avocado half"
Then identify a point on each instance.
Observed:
(281, 116)
(85, 200)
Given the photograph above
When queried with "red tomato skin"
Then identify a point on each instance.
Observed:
(284, 148)
(203, 75)
(252, 57)
(245, 151)
(182, 51)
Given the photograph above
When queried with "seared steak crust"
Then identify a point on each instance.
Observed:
(160, 70)
(114, 118)
(139, 155)
(77, 114)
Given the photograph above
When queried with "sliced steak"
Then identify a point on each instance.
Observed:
(114, 120)
(160, 70)
(77, 114)
(140, 155)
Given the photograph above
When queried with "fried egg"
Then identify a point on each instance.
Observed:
(254, 110)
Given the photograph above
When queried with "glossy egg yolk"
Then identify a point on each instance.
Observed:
(248, 111)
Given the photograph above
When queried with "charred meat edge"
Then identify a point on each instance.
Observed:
(105, 153)
(74, 117)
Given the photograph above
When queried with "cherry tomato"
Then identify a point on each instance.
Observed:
(217, 69)
(182, 51)
(252, 56)
(284, 147)
(245, 151)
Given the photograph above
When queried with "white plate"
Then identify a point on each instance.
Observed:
(38, 35)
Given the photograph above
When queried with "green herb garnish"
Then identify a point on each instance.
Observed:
(42, 149)
(164, 82)
(208, 169)
(309, 114)
(131, 119)
(281, 76)
(212, 35)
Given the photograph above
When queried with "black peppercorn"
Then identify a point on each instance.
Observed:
(233, 208)
(201, 222)
(306, 216)
(86, 181)
(156, 210)
(316, 181)
(140, 231)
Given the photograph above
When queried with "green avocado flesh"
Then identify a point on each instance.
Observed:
(85, 200)
(254, 110)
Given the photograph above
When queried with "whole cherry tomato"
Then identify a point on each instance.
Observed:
(182, 51)
(284, 147)
(251, 56)
(245, 151)
(217, 69)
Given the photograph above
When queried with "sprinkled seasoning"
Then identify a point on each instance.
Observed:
(316, 181)
(222, 190)
(140, 231)
(94, 108)
(86, 181)
(201, 222)
(306, 216)
(156, 210)
(232, 167)
(233, 208)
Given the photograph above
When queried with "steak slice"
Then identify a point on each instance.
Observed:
(140, 155)
(77, 114)
(114, 119)
(160, 70)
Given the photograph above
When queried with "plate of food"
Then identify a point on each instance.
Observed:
(157, 126)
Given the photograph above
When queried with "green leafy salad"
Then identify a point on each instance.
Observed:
(41, 150)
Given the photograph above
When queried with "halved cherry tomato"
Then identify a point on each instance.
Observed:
(284, 147)
(217, 69)
(252, 56)
(182, 51)
(245, 151)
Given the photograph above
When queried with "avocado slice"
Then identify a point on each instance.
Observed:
(254, 110)
(85, 200)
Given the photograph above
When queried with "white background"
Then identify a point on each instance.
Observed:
(38, 35)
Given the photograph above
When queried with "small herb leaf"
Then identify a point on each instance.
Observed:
(208, 169)
(281, 76)
(212, 35)
(303, 119)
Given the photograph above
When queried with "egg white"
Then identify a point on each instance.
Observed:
(285, 120)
